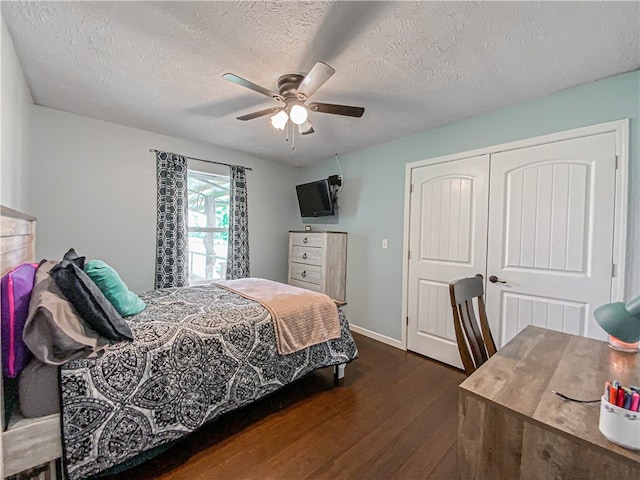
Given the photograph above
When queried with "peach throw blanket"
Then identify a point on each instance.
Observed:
(301, 317)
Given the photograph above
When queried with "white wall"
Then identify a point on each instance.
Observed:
(93, 187)
(16, 103)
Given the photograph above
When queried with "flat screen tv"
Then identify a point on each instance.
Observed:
(314, 199)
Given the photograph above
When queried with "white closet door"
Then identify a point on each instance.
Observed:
(447, 241)
(551, 220)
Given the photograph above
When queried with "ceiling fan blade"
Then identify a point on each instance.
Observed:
(343, 24)
(306, 128)
(261, 113)
(319, 74)
(232, 77)
(345, 110)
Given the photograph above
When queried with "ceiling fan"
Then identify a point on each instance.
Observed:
(293, 91)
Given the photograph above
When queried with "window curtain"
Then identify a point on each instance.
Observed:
(238, 245)
(172, 268)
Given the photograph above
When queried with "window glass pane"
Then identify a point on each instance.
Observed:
(207, 256)
(208, 200)
(208, 210)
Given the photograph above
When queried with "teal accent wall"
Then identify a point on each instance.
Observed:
(372, 201)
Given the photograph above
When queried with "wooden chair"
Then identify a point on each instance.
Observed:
(475, 347)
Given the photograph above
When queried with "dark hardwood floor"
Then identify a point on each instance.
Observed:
(394, 417)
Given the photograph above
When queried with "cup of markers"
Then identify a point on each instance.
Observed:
(619, 415)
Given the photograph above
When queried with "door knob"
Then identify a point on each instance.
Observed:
(494, 279)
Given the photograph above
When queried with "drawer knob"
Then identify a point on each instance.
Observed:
(304, 255)
(305, 240)
(304, 273)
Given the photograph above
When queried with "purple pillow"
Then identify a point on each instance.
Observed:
(15, 290)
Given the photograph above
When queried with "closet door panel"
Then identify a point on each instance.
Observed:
(551, 235)
(447, 241)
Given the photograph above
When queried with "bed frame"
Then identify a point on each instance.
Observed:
(27, 442)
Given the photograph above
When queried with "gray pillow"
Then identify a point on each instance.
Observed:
(90, 302)
(54, 332)
(39, 389)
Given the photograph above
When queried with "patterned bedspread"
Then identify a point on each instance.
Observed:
(198, 352)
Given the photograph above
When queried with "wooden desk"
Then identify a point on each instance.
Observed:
(511, 425)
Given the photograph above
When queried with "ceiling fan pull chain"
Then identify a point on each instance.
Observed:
(293, 137)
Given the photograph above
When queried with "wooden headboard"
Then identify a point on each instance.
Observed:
(17, 239)
(32, 441)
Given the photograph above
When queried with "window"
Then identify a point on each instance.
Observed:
(208, 226)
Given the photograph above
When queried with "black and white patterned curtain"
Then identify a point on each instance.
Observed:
(238, 251)
(172, 268)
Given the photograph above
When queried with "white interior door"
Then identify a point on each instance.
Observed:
(447, 241)
(551, 223)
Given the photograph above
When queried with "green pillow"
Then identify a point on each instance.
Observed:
(111, 285)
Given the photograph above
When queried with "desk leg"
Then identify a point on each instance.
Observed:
(489, 441)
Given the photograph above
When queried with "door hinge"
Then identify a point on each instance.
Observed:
(411, 188)
(407, 319)
(613, 269)
(616, 163)
(409, 255)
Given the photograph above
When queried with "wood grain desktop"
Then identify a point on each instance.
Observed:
(512, 426)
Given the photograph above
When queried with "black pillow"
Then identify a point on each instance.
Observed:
(72, 256)
(89, 301)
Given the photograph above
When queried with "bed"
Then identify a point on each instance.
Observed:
(198, 353)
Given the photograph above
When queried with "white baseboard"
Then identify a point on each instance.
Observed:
(377, 336)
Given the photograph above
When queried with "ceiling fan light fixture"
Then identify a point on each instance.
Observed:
(280, 119)
(298, 114)
(305, 128)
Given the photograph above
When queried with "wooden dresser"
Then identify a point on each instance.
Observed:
(318, 262)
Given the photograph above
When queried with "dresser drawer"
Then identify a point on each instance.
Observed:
(307, 239)
(306, 273)
(307, 255)
(307, 285)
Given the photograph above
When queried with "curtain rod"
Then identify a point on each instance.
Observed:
(153, 150)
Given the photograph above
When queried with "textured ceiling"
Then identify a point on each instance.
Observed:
(413, 65)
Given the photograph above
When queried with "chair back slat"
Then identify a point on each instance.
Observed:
(472, 332)
(475, 343)
(484, 324)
